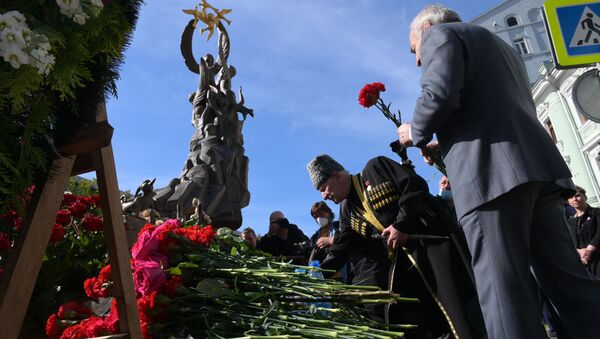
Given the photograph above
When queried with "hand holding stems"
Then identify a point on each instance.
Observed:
(431, 153)
(394, 237)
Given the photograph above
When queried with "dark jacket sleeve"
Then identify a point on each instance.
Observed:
(343, 243)
(442, 80)
(595, 241)
(411, 188)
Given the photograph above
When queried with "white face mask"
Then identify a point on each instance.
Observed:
(322, 221)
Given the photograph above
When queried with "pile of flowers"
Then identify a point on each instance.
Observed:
(192, 281)
(76, 250)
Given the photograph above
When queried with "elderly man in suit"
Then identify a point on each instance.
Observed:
(503, 168)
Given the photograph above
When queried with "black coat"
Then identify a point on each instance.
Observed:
(399, 197)
(586, 230)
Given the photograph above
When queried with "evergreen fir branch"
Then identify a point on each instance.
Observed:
(23, 82)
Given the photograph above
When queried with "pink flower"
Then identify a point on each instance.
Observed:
(148, 277)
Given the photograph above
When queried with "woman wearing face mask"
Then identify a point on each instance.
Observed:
(323, 237)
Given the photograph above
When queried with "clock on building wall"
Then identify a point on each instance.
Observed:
(585, 94)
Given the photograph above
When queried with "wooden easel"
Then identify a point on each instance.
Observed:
(88, 149)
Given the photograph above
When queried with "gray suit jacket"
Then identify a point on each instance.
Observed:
(476, 98)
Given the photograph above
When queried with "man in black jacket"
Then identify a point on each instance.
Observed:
(430, 262)
(285, 239)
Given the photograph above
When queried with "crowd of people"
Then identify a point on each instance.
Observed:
(508, 235)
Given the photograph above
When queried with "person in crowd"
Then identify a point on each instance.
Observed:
(271, 242)
(322, 240)
(250, 237)
(390, 199)
(505, 170)
(585, 225)
(285, 239)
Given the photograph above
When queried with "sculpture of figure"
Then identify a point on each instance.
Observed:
(143, 198)
(214, 177)
(199, 214)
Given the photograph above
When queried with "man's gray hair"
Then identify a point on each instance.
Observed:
(434, 14)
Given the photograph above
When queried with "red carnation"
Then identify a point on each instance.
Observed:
(73, 310)
(95, 327)
(54, 326)
(96, 200)
(172, 285)
(92, 222)
(78, 209)
(5, 243)
(68, 199)
(58, 233)
(105, 273)
(74, 332)
(63, 217)
(369, 94)
(87, 201)
(112, 319)
(12, 219)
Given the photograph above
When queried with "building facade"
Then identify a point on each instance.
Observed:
(520, 24)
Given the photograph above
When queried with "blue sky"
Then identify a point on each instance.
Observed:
(301, 65)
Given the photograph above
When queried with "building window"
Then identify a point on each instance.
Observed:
(521, 46)
(511, 21)
(550, 130)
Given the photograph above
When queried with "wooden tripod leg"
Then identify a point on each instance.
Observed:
(118, 252)
(26, 257)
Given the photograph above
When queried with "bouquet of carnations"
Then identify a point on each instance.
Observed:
(191, 281)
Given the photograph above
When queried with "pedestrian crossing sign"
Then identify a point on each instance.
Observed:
(574, 31)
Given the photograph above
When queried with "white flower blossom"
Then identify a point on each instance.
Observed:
(27, 35)
(80, 18)
(97, 6)
(45, 46)
(17, 16)
(42, 60)
(13, 36)
(6, 22)
(68, 6)
(15, 56)
(19, 45)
